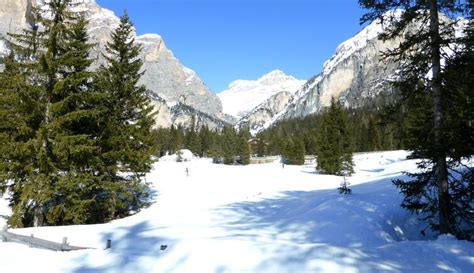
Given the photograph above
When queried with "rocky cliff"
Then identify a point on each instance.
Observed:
(354, 74)
(164, 75)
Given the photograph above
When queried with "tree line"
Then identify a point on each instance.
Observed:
(227, 145)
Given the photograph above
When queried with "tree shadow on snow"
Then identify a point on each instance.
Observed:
(130, 244)
(314, 229)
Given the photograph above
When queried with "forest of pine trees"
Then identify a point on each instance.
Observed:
(75, 144)
(225, 146)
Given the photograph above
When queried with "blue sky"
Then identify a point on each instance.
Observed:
(225, 40)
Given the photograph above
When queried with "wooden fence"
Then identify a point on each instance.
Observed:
(37, 242)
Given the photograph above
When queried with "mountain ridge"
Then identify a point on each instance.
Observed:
(164, 74)
(354, 74)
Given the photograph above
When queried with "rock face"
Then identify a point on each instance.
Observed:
(353, 75)
(356, 73)
(243, 95)
(268, 111)
(178, 113)
(13, 15)
(164, 75)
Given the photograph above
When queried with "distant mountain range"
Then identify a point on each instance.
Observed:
(353, 75)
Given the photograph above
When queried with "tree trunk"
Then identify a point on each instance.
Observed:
(38, 217)
(436, 88)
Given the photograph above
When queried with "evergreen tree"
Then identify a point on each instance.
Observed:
(334, 143)
(244, 151)
(21, 115)
(421, 53)
(176, 139)
(229, 145)
(75, 113)
(294, 151)
(205, 138)
(127, 142)
(76, 146)
(216, 148)
(373, 136)
(59, 151)
(288, 150)
(192, 142)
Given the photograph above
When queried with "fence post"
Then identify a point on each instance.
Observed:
(64, 244)
(4, 237)
(108, 244)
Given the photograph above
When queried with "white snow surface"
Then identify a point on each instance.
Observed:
(256, 218)
(241, 96)
(348, 47)
(3, 48)
(190, 75)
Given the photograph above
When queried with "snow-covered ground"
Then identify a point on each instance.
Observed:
(257, 218)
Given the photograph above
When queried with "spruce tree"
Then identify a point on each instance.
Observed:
(229, 145)
(205, 138)
(127, 141)
(244, 150)
(60, 116)
(75, 114)
(75, 150)
(420, 53)
(334, 142)
(192, 141)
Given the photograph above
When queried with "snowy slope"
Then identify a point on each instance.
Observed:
(257, 218)
(360, 40)
(242, 96)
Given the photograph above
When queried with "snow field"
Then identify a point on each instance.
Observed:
(256, 218)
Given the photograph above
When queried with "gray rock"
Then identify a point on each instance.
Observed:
(164, 75)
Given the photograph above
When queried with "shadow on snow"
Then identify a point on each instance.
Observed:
(316, 230)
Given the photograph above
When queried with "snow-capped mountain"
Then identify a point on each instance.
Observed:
(164, 74)
(355, 74)
(244, 95)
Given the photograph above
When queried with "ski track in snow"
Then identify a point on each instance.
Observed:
(256, 218)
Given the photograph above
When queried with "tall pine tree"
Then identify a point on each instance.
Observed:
(76, 145)
(127, 141)
(421, 53)
(58, 152)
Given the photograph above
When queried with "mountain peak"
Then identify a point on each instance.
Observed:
(274, 73)
(275, 76)
(242, 96)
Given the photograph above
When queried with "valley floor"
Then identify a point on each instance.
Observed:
(256, 218)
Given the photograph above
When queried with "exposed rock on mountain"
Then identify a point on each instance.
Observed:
(244, 95)
(353, 75)
(356, 73)
(260, 116)
(181, 114)
(164, 74)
